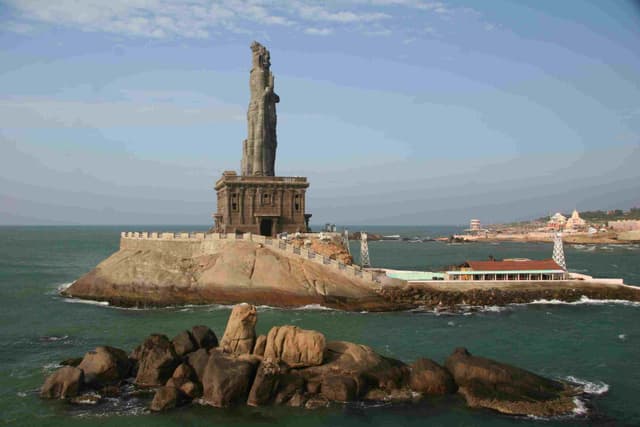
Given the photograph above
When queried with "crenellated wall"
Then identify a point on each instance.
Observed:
(196, 244)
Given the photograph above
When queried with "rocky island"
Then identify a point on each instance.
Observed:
(260, 250)
(295, 367)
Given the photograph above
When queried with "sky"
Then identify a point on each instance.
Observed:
(402, 112)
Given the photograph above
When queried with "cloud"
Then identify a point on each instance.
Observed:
(318, 31)
(148, 18)
(318, 13)
(200, 19)
(138, 109)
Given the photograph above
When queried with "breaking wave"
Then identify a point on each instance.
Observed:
(594, 388)
(86, 301)
(585, 300)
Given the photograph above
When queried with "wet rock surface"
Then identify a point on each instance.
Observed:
(296, 368)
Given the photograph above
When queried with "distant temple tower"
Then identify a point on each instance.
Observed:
(257, 201)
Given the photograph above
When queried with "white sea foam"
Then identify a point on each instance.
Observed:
(86, 301)
(54, 338)
(595, 388)
(315, 307)
(581, 407)
(62, 287)
(622, 337)
(586, 300)
(50, 367)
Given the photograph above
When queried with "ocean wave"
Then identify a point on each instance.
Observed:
(580, 409)
(53, 338)
(86, 301)
(315, 307)
(58, 288)
(50, 367)
(594, 388)
(585, 300)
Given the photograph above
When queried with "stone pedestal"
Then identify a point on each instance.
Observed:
(265, 205)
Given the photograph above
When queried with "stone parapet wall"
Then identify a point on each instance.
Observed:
(195, 244)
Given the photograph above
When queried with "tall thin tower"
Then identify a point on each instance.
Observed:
(345, 241)
(558, 251)
(364, 250)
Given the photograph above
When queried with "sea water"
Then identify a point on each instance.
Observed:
(593, 343)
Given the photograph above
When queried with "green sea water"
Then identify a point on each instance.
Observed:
(596, 343)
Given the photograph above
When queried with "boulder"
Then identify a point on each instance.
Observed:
(428, 377)
(183, 343)
(489, 384)
(258, 348)
(204, 337)
(339, 388)
(105, 365)
(181, 375)
(191, 389)
(73, 361)
(156, 360)
(227, 379)
(165, 398)
(359, 362)
(296, 347)
(316, 402)
(63, 383)
(240, 334)
(290, 385)
(265, 383)
(198, 362)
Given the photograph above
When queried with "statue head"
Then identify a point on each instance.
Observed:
(261, 56)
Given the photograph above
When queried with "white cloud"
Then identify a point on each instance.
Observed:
(318, 31)
(148, 18)
(200, 19)
(318, 13)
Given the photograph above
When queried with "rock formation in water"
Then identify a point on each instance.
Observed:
(164, 274)
(259, 149)
(296, 367)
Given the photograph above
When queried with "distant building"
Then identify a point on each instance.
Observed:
(625, 225)
(475, 227)
(575, 222)
(510, 269)
(557, 222)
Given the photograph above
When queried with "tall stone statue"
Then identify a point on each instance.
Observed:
(259, 149)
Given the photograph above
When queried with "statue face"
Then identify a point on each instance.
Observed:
(261, 56)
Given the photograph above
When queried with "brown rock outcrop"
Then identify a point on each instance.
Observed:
(204, 337)
(165, 398)
(489, 384)
(157, 273)
(261, 342)
(63, 383)
(341, 372)
(198, 362)
(227, 379)
(359, 362)
(428, 377)
(265, 383)
(183, 343)
(156, 360)
(296, 347)
(105, 365)
(240, 334)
